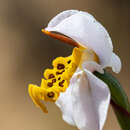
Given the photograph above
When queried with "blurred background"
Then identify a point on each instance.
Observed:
(25, 52)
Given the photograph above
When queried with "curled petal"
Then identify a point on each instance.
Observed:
(86, 101)
(115, 63)
(101, 97)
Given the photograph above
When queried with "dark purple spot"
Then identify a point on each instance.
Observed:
(50, 94)
(60, 66)
(69, 61)
(49, 84)
(57, 73)
(61, 83)
(54, 80)
(51, 76)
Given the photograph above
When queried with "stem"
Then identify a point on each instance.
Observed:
(115, 106)
(122, 115)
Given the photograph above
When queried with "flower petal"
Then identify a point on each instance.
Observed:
(84, 112)
(84, 29)
(85, 103)
(115, 63)
(101, 96)
(61, 16)
(92, 66)
(64, 102)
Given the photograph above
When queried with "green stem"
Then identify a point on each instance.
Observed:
(122, 115)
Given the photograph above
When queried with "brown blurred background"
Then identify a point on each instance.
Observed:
(25, 52)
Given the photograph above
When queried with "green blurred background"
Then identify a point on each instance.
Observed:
(25, 52)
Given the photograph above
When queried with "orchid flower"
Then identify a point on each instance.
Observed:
(81, 96)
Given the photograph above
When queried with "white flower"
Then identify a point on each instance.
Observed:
(86, 100)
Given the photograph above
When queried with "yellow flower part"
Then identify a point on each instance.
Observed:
(61, 84)
(56, 80)
(49, 74)
(89, 55)
(37, 94)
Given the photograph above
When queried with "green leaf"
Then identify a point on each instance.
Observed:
(119, 99)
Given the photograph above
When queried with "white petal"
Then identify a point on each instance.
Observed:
(60, 17)
(92, 66)
(84, 112)
(64, 102)
(85, 103)
(83, 28)
(115, 63)
(101, 96)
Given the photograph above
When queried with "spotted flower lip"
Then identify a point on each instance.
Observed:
(56, 79)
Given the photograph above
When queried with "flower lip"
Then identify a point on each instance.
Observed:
(61, 37)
